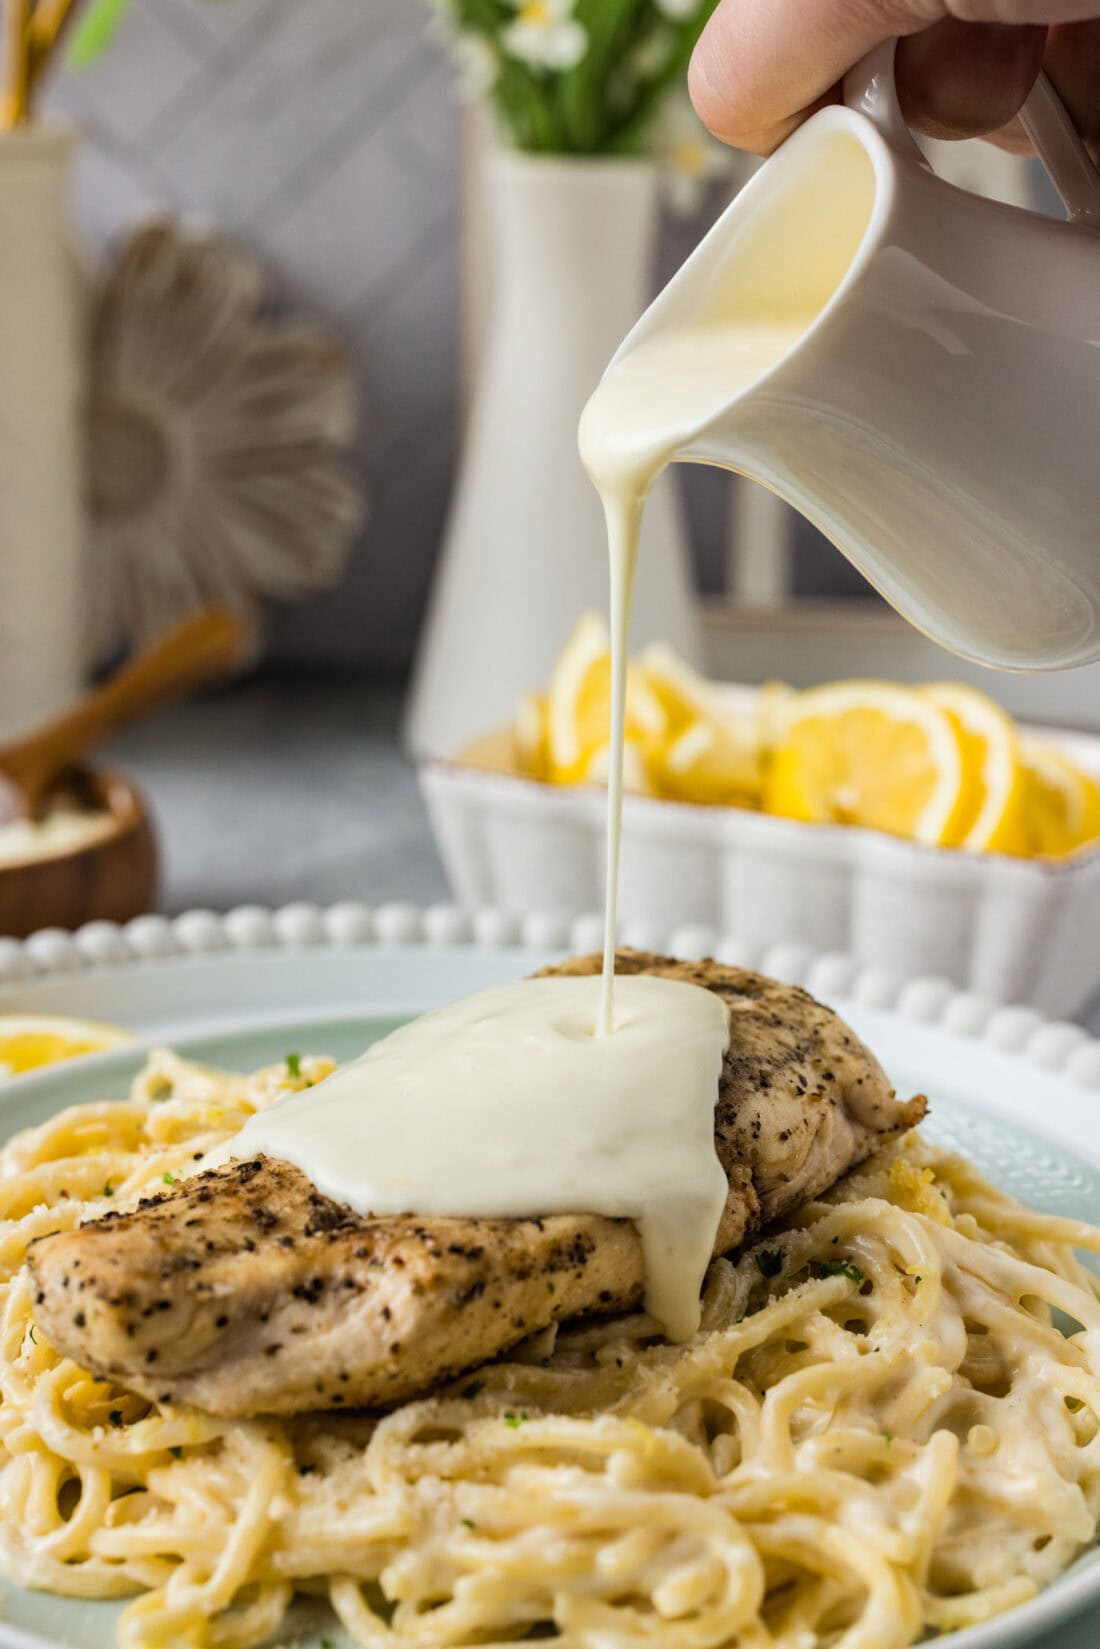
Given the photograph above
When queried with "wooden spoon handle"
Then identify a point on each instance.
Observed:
(207, 645)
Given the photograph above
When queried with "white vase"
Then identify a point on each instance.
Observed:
(570, 244)
(41, 518)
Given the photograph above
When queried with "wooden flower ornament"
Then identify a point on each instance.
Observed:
(216, 441)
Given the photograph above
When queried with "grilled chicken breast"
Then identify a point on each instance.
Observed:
(245, 1291)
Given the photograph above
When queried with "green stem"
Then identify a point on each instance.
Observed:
(576, 111)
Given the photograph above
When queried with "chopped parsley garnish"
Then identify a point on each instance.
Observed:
(115, 1417)
(293, 1064)
(888, 1438)
(917, 1280)
(515, 1420)
(175, 1451)
(842, 1268)
(468, 1523)
(473, 1388)
(108, 1189)
(769, 1262)
(169, 1179)
(34, 1337)
(160, 1089)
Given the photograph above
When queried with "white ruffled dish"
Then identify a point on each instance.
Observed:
(1014, 1091)
(1015, 930)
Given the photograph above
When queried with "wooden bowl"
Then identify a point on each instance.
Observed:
(111, 878)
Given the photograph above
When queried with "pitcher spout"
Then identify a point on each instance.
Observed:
(875, 346)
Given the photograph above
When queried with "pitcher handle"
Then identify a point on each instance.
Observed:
(1046, 121)
(871, 88)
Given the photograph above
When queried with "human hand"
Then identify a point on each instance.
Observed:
(964, 67)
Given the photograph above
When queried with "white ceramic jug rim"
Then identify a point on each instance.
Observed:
(872, 115)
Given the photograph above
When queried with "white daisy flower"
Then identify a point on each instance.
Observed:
(650, 60)
(545, 35)
(478, 64)
(690, 157)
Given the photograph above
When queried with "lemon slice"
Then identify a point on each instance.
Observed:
(1090, 824)
(709, 763)
(870, 753)
(712, 754)
(1062, 807)
(529, 734)
(28, 1041)
(635, 767)
(775, 704)
(579, 703)
(992, 819)
(683, 694)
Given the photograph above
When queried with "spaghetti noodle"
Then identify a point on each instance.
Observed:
(887, 1426)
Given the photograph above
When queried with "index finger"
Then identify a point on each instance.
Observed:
(762, 66)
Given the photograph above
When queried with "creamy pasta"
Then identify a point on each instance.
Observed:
(888, 1426)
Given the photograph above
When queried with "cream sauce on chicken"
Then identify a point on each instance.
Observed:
(507, 1104)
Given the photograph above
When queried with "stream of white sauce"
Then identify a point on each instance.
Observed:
(563, 1095)
(645, 410)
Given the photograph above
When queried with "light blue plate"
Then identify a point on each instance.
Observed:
(982, 1105)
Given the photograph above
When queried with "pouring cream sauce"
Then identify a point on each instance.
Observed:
(563, 1095)
(645, 409)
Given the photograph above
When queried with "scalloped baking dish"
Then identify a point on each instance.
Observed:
(1014, 930)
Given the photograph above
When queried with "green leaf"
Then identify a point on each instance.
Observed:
(842, 1268)
(634, 129)
(583, 93)
(769, 1262)
(601, 105)
(95, 31)
(293, 1064)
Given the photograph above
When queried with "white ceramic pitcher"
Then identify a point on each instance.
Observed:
(939, 417)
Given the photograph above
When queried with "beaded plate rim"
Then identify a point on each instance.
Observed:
(1054, 1046)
